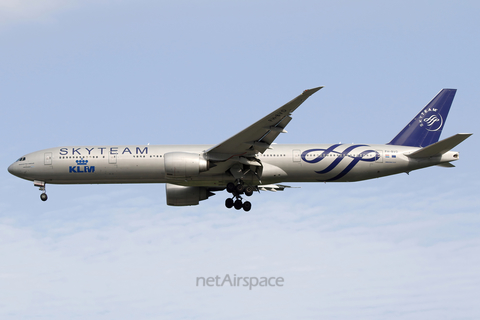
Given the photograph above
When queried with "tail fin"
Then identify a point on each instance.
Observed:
(427, 125)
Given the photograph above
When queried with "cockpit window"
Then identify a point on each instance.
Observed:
(22, 159)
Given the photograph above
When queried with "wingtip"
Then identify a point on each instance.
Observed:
(312, 91)
(466, 135)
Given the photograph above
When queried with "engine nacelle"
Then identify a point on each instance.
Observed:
(185, 196)
(179, 165)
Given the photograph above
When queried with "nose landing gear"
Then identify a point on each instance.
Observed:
(41, 186)
(238, 189)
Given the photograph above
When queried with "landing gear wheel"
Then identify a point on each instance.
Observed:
(240, 188)
(237, 188)
(229, 203)
(43, 197)
(238, 204)
(230, 187)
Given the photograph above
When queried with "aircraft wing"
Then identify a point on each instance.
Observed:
(259, 136)
(274, 187)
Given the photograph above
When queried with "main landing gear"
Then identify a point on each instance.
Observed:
(237, 189)
(41, 186)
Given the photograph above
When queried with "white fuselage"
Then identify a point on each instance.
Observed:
(281, 163)
(249, 160)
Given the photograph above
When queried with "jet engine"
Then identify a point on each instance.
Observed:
(180, 165)
(185, 196)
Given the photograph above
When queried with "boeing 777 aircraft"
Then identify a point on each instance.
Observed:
(249, 161)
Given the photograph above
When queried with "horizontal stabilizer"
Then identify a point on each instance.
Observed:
(446, 165)
(440, 147)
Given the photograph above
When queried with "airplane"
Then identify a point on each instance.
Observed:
(249, 161)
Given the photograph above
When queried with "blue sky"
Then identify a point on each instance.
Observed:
(188, 72)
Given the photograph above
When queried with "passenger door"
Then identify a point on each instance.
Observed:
(296, 155)
(48, 158)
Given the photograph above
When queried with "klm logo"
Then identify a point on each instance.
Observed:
(81, 167)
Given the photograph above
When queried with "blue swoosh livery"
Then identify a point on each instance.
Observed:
(344, 156)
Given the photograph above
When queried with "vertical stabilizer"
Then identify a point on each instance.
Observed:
(427, 125)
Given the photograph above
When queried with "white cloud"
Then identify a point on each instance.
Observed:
(23, 10)
(143, 259)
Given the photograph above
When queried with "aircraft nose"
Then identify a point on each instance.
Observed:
(10, 168)
(13, 169)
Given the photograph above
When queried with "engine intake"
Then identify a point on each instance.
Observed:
(179, 165)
